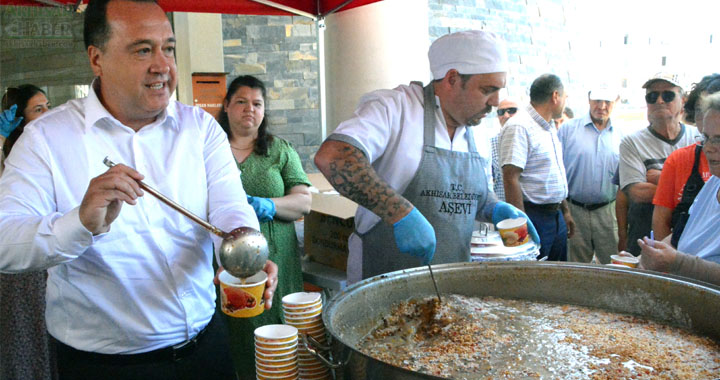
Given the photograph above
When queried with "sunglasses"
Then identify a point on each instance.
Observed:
(510, 111)
(652, 97)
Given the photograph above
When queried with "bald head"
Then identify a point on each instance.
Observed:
(506, 109)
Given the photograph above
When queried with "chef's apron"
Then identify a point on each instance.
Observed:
(447, 188)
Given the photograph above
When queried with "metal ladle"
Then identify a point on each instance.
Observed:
(243, 251)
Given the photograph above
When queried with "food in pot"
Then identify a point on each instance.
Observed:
(480, 338)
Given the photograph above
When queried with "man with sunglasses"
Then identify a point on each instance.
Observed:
(506, 109)
(643, 153)
(591, 153)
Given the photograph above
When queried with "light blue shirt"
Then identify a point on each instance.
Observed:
(700, 237)
(148, 282)
(591, 158)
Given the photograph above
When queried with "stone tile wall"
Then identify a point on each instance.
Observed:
(282, 51)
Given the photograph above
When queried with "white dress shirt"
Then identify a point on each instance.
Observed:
(148, 282)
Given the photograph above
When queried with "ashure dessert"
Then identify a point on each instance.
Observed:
(493, 338)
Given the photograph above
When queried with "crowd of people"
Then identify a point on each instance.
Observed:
(101, 281)
(616, 192)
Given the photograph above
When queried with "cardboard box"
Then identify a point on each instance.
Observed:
(329, 225)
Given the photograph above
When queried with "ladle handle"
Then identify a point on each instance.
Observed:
(174, 205)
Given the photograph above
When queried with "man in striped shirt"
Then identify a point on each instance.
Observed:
(533, 169)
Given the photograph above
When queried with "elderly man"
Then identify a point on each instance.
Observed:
(643, 153)
(130, 291)
(698, 252)
(533, 169)
(590, 147)
(408, 158)
(685, 171)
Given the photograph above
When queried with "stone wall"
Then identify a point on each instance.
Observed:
(43, 46)
(535, 31)
(282, 51)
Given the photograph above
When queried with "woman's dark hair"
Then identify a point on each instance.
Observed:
(709, 84)
(543, 87)
(19, 95)
(96, 30)
(264, 137)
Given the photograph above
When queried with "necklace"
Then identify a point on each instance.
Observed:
(246, 148)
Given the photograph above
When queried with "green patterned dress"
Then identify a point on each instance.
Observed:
(270, 176)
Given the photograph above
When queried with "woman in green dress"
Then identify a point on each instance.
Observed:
(278, 189)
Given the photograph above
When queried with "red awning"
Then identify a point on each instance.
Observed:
(313, 7)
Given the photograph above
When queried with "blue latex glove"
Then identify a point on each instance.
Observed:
(415, 236)
(264, 208)
(505, 210)
(8, 121)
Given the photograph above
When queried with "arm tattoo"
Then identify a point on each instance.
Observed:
(352, 176)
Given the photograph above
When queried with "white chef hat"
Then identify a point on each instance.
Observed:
(468, 52)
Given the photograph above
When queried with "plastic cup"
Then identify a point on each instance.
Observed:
(513, 232)
(242, 298)
(627, 261)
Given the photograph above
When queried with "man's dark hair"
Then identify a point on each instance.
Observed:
(709, 84)
(569, 112)
(96, 30)
(543, 87)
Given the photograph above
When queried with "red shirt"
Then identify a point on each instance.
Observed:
(675, 173)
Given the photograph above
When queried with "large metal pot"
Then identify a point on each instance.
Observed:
(350, 315)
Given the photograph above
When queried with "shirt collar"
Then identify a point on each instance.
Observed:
(587, 121)
(539, 119)
(96, 111)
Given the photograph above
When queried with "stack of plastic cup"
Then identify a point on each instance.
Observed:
(276, 354)
(304, 311)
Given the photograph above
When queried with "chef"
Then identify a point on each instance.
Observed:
(408, 158)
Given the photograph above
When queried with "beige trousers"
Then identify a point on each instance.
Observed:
(595, 234)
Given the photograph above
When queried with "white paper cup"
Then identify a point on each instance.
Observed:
(276, 333)
(301, 299)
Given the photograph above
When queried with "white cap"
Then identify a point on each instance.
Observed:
(468, 52)
(603, 93)
(671, 78)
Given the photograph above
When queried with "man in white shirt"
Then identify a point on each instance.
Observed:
(130, 288)
(533, 169)
(409, 159)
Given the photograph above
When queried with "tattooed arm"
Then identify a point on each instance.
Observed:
(349, 172)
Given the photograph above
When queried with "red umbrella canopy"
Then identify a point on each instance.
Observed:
(250, 7)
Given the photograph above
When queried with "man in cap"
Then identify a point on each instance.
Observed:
(408, 158)
(590, 146)
(130, 291)
(533, 169)
(643, 153)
